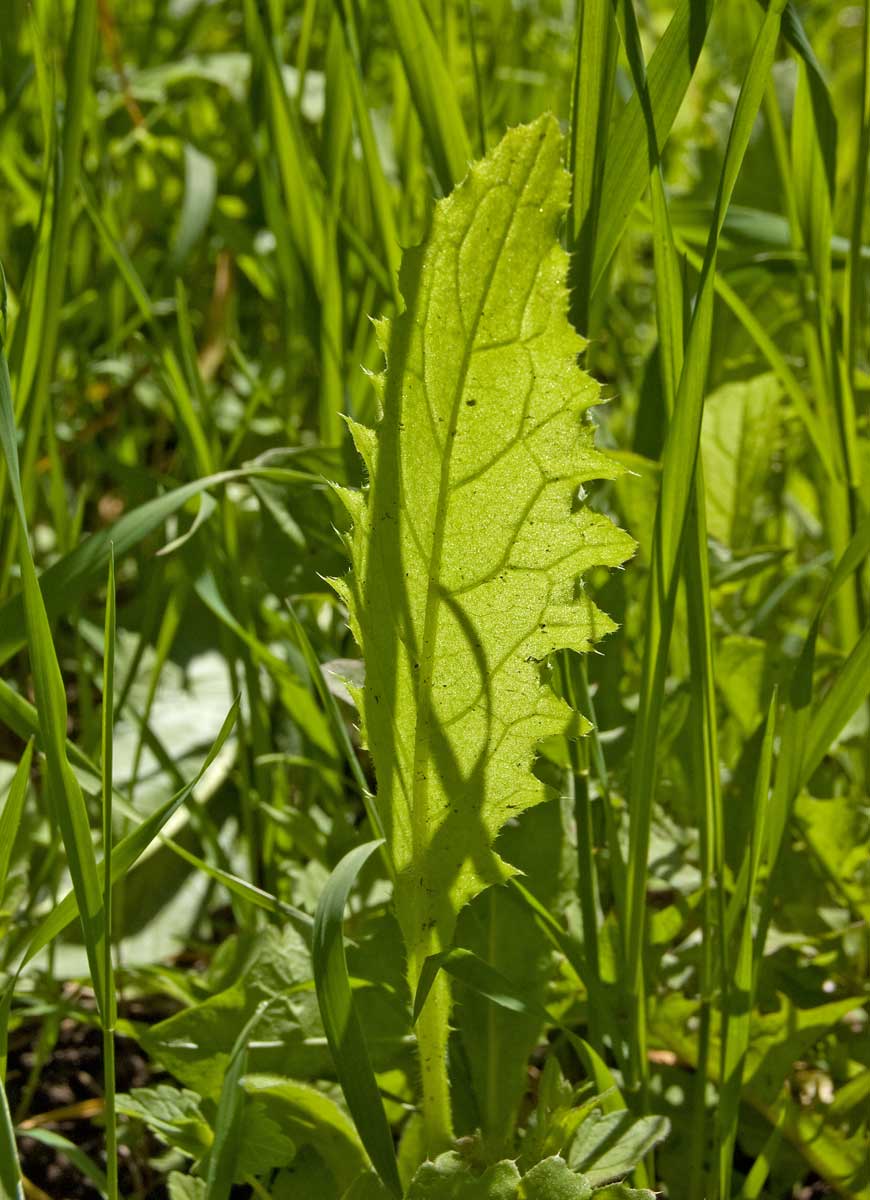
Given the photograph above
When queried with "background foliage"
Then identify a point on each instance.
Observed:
(202, 204)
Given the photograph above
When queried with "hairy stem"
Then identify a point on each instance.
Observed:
(433, 1031)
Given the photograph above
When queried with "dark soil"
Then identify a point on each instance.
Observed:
(71, 1076)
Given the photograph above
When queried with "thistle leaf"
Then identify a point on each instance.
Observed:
(470, 542)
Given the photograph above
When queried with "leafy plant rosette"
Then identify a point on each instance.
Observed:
(469, 546)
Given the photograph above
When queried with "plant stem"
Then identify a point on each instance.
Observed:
(109, 1112)
(433, 1031)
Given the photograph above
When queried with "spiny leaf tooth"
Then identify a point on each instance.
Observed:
(378, 382)
(353, 500)
(383, 328)
(344, 589)
(366, 441)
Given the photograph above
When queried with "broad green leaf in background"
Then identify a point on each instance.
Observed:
(607, 1146)
(468, 547)
(738, 439)
(173, 1113)
(450, 1177)
(553, 1179)
(196, 1044)
(186, 1187)
(311, 1118)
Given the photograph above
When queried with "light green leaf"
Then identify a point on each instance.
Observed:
(310, 1117)
(741, 672)
(738, 438)
(469, 545)
(196, 1044)
(264, 1144)
(200, 190)
(610, 1145)
(366, 1187)
(307, 1176)
(621, 1191)
(450, 1177)
(186, 1187)
(553, 1179)
(174, 1114)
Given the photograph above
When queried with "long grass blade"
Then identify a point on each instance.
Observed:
(678, 475)
(66, 802)
(341, 1021)
(10, 817)
(11, 1185)
(737, 1017)
(129, 848)
(67, 580)
(224, 1151)
(433, 91)
(596, 45)
(107, 762)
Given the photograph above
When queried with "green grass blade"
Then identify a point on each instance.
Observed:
(670, 72)
(703, 726)
(848, 691)
(772, 353)
(81, 1161)
(244, 890)
(297, 697)
(224, 1150)
(129, 848)
(433, 91)
(853, 288)
(627, 171)
(66, 581)
(341, 1021)
(382, 200)
(479, 101)
(177, 387)
(79, 64)
(678, 475)
(302, 191)
(66, 802)
(596, 45)
(471, 970)
(10, 817)
(11, 1187)
(107, 761)
(753, 1184)
(338, 726)
(803, 750)
(737, 1014)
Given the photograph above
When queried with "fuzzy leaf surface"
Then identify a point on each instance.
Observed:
(469, 545)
